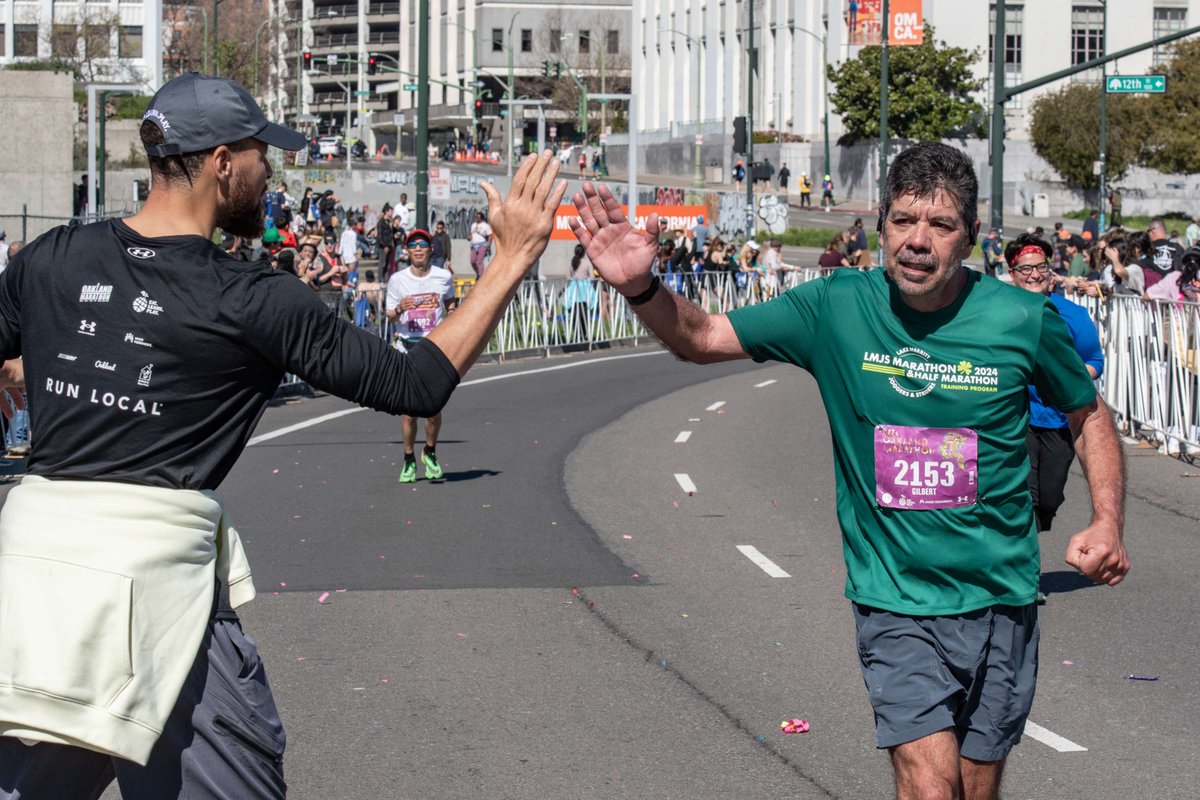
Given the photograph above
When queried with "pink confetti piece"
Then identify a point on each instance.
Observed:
(461, 635)
(274, 472)
(324, 596)
(381, 558)
(408, 522)
(720, 411)
(418, 577)
(790, 726)
(774, 504)
(383, 680)
(275, 593)
(675, 503)
(301, 658)
(626, 536)
(282, 583)
(339, 591)
(1069, 663)
(635, 576)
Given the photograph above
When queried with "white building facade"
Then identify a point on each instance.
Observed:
(1042, 37)
(114, 41)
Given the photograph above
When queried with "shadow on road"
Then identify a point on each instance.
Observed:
(1064, 581)
(466, 475)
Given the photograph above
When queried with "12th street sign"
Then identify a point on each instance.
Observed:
(1123, 84)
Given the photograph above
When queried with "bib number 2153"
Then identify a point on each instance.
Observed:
(919, 469)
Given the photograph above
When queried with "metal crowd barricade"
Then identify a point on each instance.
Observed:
(1151, 370)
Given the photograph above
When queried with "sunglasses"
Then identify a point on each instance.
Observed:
(419, 245)
(1026, 269)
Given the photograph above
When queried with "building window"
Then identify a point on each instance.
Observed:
(25, 40)
(614, 41)
(1014, 34)
(63, 39)
(497, 40)
(1087, 25)
(585, 41)
(555, 40)
(1166, 22)
(526, 40)
(131, 41)
(96, 41)
(3, 42)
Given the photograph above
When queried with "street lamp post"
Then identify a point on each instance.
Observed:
(474, 62)
(216, 40)
(824, 40)
(698, 168)
(508, 42)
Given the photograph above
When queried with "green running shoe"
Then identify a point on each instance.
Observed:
(408, 474)
(433, 470)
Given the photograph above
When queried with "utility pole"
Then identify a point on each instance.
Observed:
(996, 137)
(752, 63)
(511, 96)
(422, 216)
(299, 66)
(883, 96)
(1103, 108)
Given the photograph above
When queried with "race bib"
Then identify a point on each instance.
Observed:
(919, 469)
(422, 320)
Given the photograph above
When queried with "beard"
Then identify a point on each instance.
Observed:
(242, 214)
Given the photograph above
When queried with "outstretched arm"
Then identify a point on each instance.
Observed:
(521, 226)
(623, 255)
(1098, 551)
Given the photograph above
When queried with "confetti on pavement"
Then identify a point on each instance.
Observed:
(791, 726)
(324, 596)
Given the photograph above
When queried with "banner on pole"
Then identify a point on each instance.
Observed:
(864, 22)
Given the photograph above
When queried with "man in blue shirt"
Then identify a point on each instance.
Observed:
(1051, 449)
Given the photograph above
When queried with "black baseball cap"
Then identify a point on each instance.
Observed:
(198, 112)
(418, 233)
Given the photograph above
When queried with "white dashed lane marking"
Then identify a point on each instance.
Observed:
(683, 437)
(765, 564)
(764, 383)
(685, 483)
(715, 405)
(1052, 739)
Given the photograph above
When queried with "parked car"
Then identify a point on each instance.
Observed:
(330, 146)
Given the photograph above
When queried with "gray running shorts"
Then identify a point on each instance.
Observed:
(223, 740)
(973, 673)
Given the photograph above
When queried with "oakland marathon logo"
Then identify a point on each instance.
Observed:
(913, 373)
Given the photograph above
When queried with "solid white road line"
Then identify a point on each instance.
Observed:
(685, 483)
(683, 437)
(299, 426)
(715, 405)
(1052, 739)
(765, 564)
(764, 383)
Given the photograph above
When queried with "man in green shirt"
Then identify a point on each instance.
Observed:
(923, 368)
(1077, 264)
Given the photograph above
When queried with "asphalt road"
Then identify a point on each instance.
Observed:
(559, 618)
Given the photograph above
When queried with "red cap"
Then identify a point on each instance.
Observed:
(417, 233)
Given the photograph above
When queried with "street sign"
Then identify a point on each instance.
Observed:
(331, 59)
(398, 121)
(362, 94)
(1123, 84)
(553, 131)
(480, 84)
(410, 87)
(699, 138)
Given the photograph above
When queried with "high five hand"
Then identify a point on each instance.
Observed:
(621, 253)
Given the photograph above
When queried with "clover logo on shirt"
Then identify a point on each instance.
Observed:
(965, 368)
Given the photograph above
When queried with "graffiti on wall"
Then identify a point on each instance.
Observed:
(458, 219)
(729, 216)
(774, 214)
(319, 177)
(397, 177)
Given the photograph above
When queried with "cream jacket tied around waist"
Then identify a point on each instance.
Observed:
(106, 590)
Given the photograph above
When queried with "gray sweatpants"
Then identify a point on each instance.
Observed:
(223, 740)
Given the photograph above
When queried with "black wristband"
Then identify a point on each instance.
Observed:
(644, 297)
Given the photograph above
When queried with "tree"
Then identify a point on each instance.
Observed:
(1065, 130)
(1171, 138)
(930, 88)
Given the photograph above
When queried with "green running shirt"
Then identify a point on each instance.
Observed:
(934, 522)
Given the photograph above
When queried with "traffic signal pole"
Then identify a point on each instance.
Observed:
(752, 62)
(1001, 94)
(422, 216)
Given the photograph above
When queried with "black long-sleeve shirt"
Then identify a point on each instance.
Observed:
(150, 360)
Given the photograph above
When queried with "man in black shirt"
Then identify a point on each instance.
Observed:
(383, 239)
(149, 357)
(1164, 255)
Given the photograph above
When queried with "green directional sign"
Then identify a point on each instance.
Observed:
(1125, 84)
(410, 87)
(362, 94)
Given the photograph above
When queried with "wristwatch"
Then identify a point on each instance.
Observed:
(644, 297)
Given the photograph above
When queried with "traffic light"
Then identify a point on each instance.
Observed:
(371, 64)
(546, 69)
(558, 69)
(478, 109)
(307, 60)
(739, 134)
